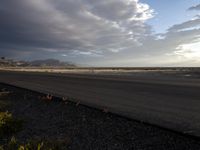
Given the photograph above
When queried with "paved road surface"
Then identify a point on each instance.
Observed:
(166, 101)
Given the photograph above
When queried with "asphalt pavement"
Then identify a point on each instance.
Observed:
(166, 101)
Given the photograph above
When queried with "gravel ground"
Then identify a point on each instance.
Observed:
(87, 128)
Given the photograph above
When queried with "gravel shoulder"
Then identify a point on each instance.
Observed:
(87, 128)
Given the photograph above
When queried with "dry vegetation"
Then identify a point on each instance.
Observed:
(10, 126)
(14, 144)
(36, 121)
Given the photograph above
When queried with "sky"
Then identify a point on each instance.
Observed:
(126, 33)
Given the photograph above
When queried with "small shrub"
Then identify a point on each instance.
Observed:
(46, 98)
(8, 124)
(4, 93)
(47, 144)
(13, 144)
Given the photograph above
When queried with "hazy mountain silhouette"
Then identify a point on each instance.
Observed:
(36, 63)
(51, 62)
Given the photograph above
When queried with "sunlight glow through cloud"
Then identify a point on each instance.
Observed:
(189, 51)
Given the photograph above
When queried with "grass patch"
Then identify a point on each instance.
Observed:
(8, 124)
(13, 144)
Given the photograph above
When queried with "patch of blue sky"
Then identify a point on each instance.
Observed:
(170, 12)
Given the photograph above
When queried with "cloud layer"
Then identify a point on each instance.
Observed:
(100, 32)
(68, 25)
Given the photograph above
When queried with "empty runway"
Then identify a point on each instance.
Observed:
(165, 101)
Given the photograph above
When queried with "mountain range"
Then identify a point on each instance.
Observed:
(36, 63)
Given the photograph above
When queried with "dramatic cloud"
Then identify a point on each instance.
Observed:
(71, 26)
(100, 32)
(179, 45)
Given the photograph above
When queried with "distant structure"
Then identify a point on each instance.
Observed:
(6, 62)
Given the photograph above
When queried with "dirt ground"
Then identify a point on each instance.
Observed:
(87, 128)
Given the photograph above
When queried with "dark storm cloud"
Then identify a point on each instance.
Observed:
(22, 25)
(68, 25)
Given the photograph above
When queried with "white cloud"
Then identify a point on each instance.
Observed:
(179, 46)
